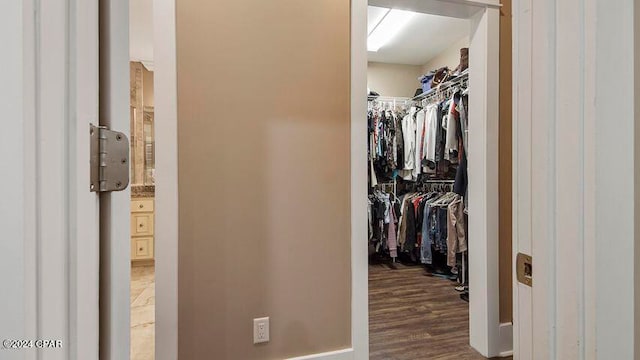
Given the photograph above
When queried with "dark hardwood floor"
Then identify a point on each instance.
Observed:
(416, 317)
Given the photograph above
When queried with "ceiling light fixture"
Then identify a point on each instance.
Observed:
(387, 28)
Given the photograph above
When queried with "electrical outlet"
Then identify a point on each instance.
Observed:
(261, 330)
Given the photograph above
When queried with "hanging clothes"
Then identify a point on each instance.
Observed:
(383, 222)
(421, 131)
(425, 139)
(384, 144)
(431, 138)
(409, 127)
(456, 235)
(461, 101)
(392, 235)
(399, 141)
(453, 131)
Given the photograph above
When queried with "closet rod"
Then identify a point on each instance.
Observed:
(388, 99)
(447, 181)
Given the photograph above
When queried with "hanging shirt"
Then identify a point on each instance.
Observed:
(399, 140)
(432, 129)
(464, 123)
(409, 135)
(374, 178)
(392, 243)
(456, 235)
(451, 144)
(420, 136)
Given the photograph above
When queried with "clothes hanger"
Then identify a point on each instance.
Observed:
(445, 200)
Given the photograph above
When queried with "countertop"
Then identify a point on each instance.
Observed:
(140, 191)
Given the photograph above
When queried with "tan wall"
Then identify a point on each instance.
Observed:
(449, 57)
(264, 189)
(393, 79)
(506, 295)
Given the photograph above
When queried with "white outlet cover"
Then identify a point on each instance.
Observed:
(261, 330)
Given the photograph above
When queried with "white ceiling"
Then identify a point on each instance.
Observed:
(141, 32)
(422, 39)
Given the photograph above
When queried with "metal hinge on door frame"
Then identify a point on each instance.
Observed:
(109, 160)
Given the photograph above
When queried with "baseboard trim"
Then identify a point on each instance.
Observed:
(345, 354)
(506, 339)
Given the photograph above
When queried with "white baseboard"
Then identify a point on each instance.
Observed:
(345, 354)
(506, 339)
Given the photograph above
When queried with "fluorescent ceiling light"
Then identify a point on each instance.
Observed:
(387, 28)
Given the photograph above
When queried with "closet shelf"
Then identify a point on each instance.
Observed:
(461, 81)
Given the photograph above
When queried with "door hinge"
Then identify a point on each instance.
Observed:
(524, 269)
(109, 160)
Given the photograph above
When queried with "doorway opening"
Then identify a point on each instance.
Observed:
(142, 155)
(432, 104)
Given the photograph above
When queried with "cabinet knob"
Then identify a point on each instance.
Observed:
(141, 206)
(141, 249)
(141, 225)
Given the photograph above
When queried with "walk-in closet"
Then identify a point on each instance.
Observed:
(418, 204)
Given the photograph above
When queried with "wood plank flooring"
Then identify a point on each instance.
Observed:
(416, 317)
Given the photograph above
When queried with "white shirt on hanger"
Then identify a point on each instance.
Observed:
(432, 129)
(420, 137)
(409, 135)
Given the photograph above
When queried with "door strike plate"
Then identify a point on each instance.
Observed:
(524, 269)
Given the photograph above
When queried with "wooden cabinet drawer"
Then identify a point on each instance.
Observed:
(142, 248)
(142, 228)
(142, 205)
(141, 224)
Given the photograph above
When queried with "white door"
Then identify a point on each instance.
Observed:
(49, 220)
(538, 157)
(575, 160)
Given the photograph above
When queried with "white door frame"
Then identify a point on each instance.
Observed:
(166, 197)
(486, 333)
(115, 219)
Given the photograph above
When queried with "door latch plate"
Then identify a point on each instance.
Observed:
(109, 160)
(524, 269)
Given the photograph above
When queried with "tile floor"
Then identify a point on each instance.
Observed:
(143, 302)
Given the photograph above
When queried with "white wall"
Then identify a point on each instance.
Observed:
(449, 57)
(141, 31)
(393, 79)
